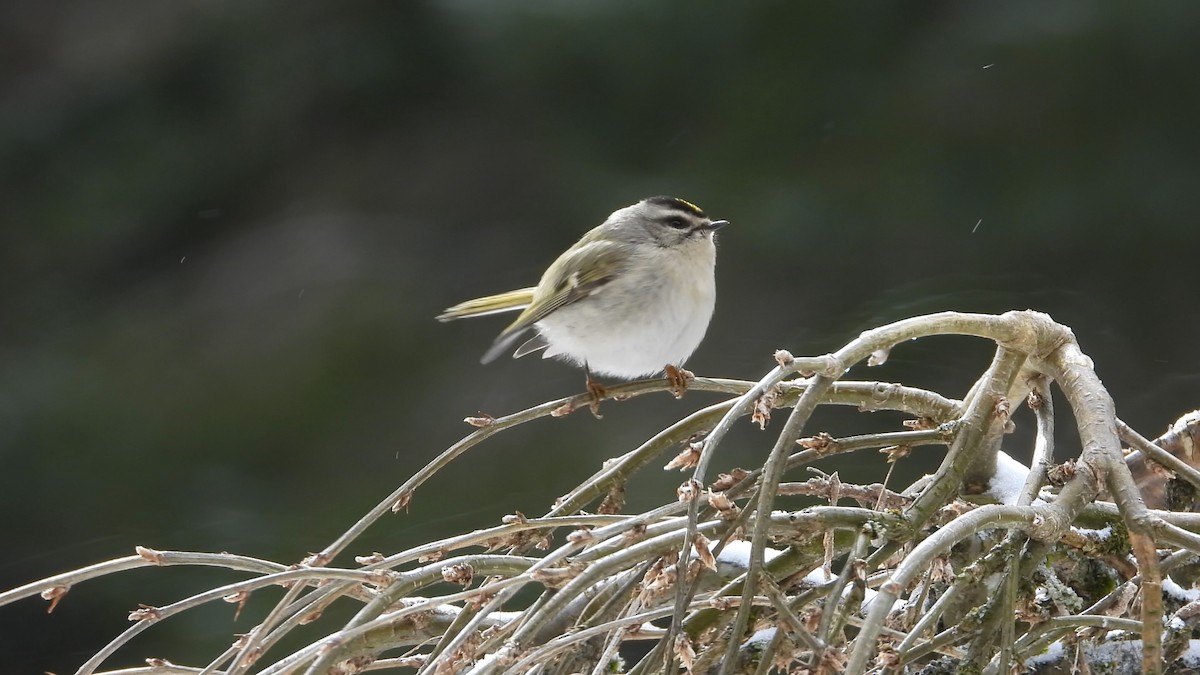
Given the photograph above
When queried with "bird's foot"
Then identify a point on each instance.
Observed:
(678, 377)
(596, 394)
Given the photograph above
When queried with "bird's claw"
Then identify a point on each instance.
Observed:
(596, 394)
(678, 377)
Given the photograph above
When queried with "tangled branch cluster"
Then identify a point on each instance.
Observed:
(983, 566)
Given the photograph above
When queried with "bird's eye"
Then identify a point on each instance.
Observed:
(677, 223)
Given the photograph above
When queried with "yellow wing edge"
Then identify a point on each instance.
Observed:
(511, 301)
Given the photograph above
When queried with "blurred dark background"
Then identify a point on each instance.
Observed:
(226, 228)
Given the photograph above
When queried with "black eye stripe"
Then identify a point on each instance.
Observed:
(676, 221)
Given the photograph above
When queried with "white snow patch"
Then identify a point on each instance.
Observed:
(762, 637)
(870, 596)
(735, 557)
(1101, 534)
(1179, 592)
(1110, 651)
(818, 577)
(1008, 480)
(737, 553)
(1052, 655)
(1191, 655)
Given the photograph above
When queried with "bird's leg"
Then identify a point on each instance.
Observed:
(678, 377)
(595, 392)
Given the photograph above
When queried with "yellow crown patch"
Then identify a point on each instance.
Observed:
(678, 203)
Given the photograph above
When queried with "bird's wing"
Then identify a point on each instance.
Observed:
(511, 301)
(575, 275)
(534, 344)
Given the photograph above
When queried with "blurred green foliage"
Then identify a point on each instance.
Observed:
(226, 227)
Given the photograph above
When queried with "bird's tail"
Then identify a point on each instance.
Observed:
(511, 301)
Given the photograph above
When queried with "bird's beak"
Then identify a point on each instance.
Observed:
(716, 225)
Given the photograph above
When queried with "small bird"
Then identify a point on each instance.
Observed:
(633, 297)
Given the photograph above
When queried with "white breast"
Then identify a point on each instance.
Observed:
(642, 321)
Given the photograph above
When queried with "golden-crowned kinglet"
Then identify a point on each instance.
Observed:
(632, 297)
